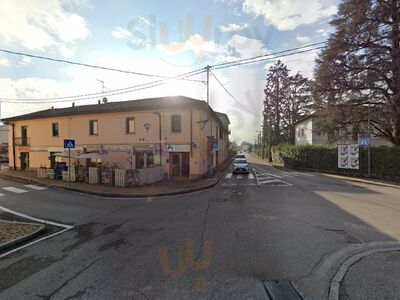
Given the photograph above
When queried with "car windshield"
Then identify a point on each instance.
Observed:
(240, 161)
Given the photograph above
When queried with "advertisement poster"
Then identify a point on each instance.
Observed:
(354, 157)
(348, 156)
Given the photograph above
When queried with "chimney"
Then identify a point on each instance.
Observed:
(52, 107)
(98, 101)
(73, 104)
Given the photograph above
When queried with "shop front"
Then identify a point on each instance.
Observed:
(179, 160)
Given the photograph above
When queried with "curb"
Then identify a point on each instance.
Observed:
(323, 282)
(116, 195)
(334, 289)
(16, 241)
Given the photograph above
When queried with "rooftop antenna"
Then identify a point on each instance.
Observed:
(102, 88)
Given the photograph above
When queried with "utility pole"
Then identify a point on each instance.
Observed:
(369, 143)
(263, 143)
(208, 84)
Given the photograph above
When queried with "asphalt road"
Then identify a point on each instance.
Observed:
(221, 243)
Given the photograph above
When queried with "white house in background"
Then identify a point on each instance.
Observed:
(307, 131)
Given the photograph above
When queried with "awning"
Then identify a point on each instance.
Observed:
(64, 154)
(90, 155)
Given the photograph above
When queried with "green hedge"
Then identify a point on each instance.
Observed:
(385, 161)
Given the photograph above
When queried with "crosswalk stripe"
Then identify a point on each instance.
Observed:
(35, 187)
(229, 175)
(14, 190)
(240, 176)
(251, 176)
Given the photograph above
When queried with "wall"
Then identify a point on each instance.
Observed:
(307, 136)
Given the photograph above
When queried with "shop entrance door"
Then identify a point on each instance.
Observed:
(24, 160)
(176, 164)
(180, 164)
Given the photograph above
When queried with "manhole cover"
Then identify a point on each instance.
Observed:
(342, 236)
(280, 290)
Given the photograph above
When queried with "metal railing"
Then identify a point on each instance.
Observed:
(20, 141)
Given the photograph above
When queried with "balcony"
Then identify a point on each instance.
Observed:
(19, 141)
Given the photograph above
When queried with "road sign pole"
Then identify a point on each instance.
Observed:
(69, 166)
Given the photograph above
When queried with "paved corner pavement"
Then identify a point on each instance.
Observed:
(371, 276)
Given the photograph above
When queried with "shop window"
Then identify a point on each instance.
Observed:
(93, 127)
(54, 129)
(176, 123)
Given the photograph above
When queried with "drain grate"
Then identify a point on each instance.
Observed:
(342, 236)
(280, 290)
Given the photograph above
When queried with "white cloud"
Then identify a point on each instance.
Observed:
(247, 47)
(41, 25)
(4, 61)
(120, 33)
(141, 22)
(26, 60)
(303, 39)
(233, 27)
(289, 14)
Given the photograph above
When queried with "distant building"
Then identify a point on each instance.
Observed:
(4, 143)
(186, 135)
(308, 132)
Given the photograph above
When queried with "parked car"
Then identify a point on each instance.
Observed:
(240, 165)
(240, 156)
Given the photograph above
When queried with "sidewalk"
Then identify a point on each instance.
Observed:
(376, 276)
(162, 188)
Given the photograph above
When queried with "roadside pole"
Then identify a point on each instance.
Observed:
(69, 166)
(369, 144)
(68, 144)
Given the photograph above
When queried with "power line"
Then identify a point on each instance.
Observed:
(269, 58)
(87, 65)
(233, 97)
(270, 54)
(96, 95)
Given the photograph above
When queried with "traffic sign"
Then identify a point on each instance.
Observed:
(363, 141)
(69, 144)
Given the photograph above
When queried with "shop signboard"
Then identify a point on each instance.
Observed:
(178, 148)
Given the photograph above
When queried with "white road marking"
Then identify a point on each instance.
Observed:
(273, 175)
(251, 176)
(305, 174)
(14, 190)
(269, 181)
(287, 174)
(229, 175)
(2, 195)
(66, 228)
(239, 176)
(35, 187)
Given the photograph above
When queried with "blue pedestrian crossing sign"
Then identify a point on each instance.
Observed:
(69, 144)
(363, 141)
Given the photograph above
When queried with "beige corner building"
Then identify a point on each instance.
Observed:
(186, 136)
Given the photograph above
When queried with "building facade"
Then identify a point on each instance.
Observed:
(184, 135)
(308, 132)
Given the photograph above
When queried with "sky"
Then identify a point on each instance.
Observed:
(165, 38)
